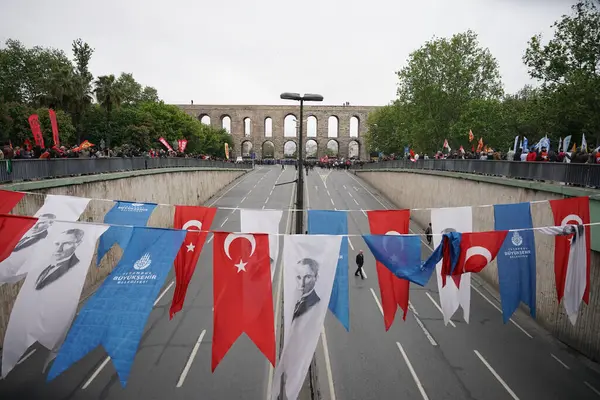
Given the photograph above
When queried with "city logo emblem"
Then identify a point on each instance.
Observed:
(516, 239)
(143, 262)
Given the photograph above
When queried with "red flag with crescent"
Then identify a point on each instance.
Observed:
(393, 290)
(8, 200)
(12, 229)
(194, 219)
(575, 210)
(243, 300)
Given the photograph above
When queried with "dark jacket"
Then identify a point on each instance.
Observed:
(360, 259)
(305, 303)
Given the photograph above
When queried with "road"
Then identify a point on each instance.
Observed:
(174, 357)
(419, 358)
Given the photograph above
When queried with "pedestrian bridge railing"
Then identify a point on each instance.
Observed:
(587, 175)
(36, 169)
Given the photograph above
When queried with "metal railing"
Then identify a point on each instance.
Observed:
(27, 170)
(568, 173)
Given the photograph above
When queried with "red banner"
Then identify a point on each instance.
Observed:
(54, 127)
(182, 144)
(574, 210)
(165, 143)
(394, 291)
(36, 129)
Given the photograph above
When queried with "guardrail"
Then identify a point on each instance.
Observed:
(568, 173)
(26, 170)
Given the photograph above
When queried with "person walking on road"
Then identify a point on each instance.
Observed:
(360, 260)
(429, 232)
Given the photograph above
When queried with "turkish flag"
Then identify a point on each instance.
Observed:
(12, 229)
(478, 249)
(242, 293)
(192, 219)
(9, 199)
(575, 210)
(393, 290)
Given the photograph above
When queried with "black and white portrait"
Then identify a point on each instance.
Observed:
(307, 274)
(63, 258)
(38, 232)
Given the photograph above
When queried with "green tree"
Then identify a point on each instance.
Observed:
(149, 94)
(109, 97)
(130, 89)
(568, 66)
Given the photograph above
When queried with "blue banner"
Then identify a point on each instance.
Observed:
(123, 213)
(326, 222)
(401, 255)
(516, 258)
(116, 315)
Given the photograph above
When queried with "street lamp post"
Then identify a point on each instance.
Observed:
(300, 186)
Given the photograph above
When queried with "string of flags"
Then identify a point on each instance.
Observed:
(52, 252)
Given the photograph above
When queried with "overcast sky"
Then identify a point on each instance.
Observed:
(248, 52)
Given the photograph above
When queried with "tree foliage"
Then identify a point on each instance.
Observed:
(118, 110)
(450, 86)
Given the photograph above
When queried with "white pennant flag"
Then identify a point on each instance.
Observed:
(47, 301)
(309, 264)
(576, 278)
(443, 220)
(263, 221)
(33, 246)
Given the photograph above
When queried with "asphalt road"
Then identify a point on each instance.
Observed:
(174, 357)
(419, 358)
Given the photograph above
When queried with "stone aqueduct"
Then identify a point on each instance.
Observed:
(267, 130)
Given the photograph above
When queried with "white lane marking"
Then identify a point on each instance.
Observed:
(328, 194)
(210, 239)
(331, 201)
(271, 192)
(288, 225)
(412, 308)
(364, 212)
(163, 293)
(425, 331)
(350, 194)
(328, 365)
(438, 307)
(368, 191)
(377, 301)
(188, 365)
(243, 199)
(228, 190)
(498, 308)
(350, 243)
(95, 374)
(508, 389)
(355, 201)
(267, 200)
(560, 362)
(593, 389)
(26, 356)
(344, 186)
(412, 372)
(224, 221)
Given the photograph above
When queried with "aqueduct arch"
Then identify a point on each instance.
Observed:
(253, 126)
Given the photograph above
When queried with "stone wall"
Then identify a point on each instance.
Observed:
(434, 190)
(258, 115)
(195, 187)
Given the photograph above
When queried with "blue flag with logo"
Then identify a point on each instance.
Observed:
(326, 222)
(401, 254)
(116, 315)
(516, 258)
(123, 213)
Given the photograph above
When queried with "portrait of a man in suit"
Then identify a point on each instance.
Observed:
(38, 232)
(307, 273)
(63, 258)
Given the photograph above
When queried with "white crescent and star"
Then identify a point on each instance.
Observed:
(241, 266)
(571, 218)
(186, 227)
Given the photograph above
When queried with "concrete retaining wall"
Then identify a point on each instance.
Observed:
(435, 190)
(168, 186)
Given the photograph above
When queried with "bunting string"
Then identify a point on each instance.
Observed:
(308, 208)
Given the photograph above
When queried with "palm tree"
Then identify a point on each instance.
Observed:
(109, 96)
